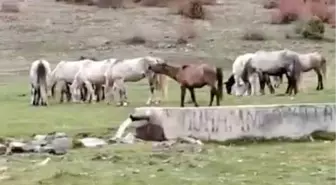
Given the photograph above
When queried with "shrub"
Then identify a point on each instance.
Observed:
(270, 4)
(192, 9)
(135, 40)
(110, 3)
(254, 35)
(313, 28)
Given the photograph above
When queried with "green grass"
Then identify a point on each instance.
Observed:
(256, 164)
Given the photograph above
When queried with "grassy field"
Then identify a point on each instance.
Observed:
(55, 31)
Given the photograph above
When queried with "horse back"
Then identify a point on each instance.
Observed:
(196, 74)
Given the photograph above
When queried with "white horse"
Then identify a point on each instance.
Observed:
(90, 72)
(273, 63)
(39, 74)
(314, 61)
(65, 71)
(133, 70)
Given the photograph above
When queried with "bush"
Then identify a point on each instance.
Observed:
(192, 9)
(270, 4)
(313, 28)
(254, 35)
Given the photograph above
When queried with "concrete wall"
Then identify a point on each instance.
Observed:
(233, 122)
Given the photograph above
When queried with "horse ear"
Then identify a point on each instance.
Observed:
(185, 66)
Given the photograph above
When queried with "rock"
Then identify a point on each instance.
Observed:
(60, 135)
(128, 139)
(40, 137)
(17, 147)
(58, 146)
(91, 142)
(3, 149)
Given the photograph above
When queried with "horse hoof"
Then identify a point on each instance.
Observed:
(157, 102)
(125, 104)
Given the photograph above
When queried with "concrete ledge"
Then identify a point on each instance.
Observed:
(234, 122)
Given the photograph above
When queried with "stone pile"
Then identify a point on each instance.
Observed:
(57, 143)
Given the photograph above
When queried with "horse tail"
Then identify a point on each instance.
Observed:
(41, 73)
(219, 75)
(42, 79)
(162, 84)
(324, 67)
(297, 71)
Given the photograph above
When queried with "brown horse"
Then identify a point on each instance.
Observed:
(194, 76)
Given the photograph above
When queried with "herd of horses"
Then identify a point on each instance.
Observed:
(89, 80)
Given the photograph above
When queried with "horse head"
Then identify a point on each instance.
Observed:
(229, 84)
(75, 92)
(158, 68)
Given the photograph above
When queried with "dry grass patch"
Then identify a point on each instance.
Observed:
(186, 31)
(10, 6)
(192, 9)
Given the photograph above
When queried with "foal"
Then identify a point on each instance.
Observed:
(194, 76)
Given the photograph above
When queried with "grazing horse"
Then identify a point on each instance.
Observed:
(39, 74)
(91, 72)
(314, 61)
(134, 70)
(66, 87)
(273, 63)
(65, 71)
(230, 83)
(237, 70)
(99, 90)
(194, 76)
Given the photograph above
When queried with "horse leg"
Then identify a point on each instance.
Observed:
(32, 95)
(97, 92)
(43, 95)
(288, 84)
(109, 91)
(213, 92)
(183, 92)
(118, 89)
(319, 80)
(103, 92)
(269, 84)
(123, 92)
(151, 81)
(38, 96)
(90, 91)
(67, 92)
(262, 82)
(192, 94)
